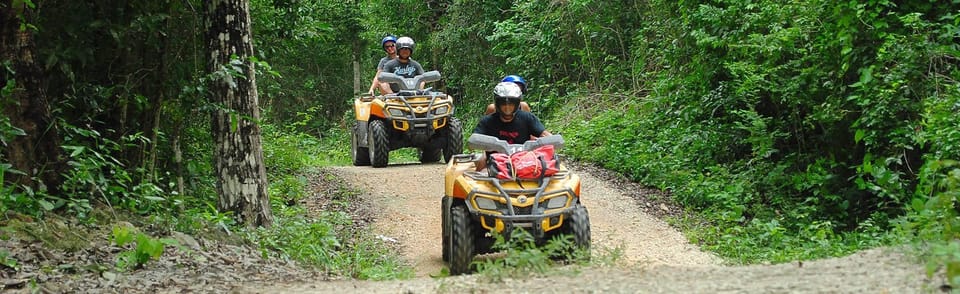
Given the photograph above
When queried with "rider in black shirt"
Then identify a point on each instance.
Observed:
(508, 122)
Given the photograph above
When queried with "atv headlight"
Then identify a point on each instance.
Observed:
(441, 110)
(396, 112)
(485, 203)
(557, 202)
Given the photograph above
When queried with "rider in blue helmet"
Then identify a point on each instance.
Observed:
(523, 88)
(389, 46)
(516, 80)
(404, 66)
(508, 123)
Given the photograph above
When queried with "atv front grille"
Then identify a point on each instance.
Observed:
(523, 210)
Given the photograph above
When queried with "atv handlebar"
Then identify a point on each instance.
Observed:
(491, 143)
(409, 83)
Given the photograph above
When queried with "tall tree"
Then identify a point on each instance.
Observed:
(238, 154)
(35, 151)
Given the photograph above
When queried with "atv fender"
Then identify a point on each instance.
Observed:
(366, 107)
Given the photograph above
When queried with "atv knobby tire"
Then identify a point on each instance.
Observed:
(461, 240)
(361, 156)
(445, 227)
(429, 154)
(453, 138)
(578, 226)
(378, 144)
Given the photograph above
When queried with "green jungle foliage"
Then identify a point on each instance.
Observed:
(795, 129)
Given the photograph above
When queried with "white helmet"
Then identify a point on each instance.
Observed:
(405, 42)
(507, 92)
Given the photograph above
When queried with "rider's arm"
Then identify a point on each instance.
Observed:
(419, 71)
(376, 81)
(536, 127)
(390, 66)
(481, 128)
(375, 84)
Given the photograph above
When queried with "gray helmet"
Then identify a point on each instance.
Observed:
(507, 92)
(405, 42)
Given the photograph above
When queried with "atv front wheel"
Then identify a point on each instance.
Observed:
(378, 145)
(461, 240)
(454, 140)
(578, 226)
(361, 156)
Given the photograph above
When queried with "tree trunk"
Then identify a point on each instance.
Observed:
(37, 152)
(241, 175)
(357, 46)
(356, 65)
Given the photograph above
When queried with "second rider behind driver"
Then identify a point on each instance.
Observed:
(403, 66)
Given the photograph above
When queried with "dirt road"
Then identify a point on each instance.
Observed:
(656, 257)
(409, 198)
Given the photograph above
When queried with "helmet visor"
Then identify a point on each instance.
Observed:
(507, 100)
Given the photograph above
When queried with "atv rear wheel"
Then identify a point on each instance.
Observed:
(377, 144)
(361, 156)
(461, 240)
(429, 154)
(454, 139)
(578, 226)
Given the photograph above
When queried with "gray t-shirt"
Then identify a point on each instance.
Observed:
(406, 70)
(383, 61)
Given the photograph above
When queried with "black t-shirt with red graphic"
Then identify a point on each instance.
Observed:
(517, 131)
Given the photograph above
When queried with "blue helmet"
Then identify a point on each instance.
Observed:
(388, 38)
(517, 80)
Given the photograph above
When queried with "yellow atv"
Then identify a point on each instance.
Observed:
(476, 203)
(422, 119)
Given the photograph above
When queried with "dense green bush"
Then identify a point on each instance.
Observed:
(788, 123)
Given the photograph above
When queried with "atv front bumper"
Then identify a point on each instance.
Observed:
(538, 210)
(538, 225)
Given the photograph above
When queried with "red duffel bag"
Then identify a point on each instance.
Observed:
(525, 164)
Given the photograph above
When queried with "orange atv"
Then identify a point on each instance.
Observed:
(476, 203)
(422, 119)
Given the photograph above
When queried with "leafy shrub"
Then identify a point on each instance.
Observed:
(315, 242)
(524, 258)
(7, 261)
(146, 248)
(95, 174)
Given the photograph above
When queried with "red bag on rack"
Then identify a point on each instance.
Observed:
(500, 166)
(525, 164)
